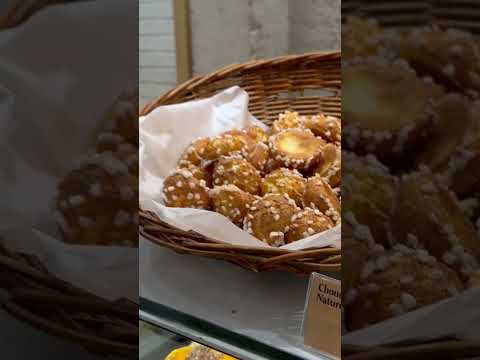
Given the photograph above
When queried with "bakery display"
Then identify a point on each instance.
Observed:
(277, 184)
(97, 200)
(410, 179)
(196, 351)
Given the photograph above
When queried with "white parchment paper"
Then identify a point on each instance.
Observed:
(42, 110)
(164, 135)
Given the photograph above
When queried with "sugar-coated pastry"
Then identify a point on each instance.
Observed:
(363, 37)
(369, 191)
(237, 171)
(234, 142)
(319, 195)
(327, 127)
(287, 120)
(285, 181)
(196, 351)
(330, 167)
(181, 189)
(258, 155)
(357, 246)
(257, 134)
(307, 222)
(296, 148)
(97, 202)
(196, 152)
(269, 218)
(120, 126)
(450, 57)
(455, 123)
(374, 94)
(430, 215)
(231, 202)
(201, 172)
(462, 171)
(271, 165)
(399, 281)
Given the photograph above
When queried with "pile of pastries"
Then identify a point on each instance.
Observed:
(97, 200)
(411, 174)
(280, 185)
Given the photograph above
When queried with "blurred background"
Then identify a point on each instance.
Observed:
(183, 38)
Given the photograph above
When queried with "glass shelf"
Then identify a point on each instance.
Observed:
(244, 314)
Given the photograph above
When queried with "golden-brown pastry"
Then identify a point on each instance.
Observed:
(237, 171)
(431, 214)
(369, 192)
(285, 181)
(195, 153)
(449, 56)
(287, 120)
(296, 148)
(449, 133)
(374, 94)
(330, 168)
(201, 172)
(120, 126)
(258, 156)
(196, 351)
(181, 189)
(357, 246)
(463, 169)
(234, 142)
(307, 222)
(454, 146)
(363, 38)
(269, 218)
(257, 134)
(97, 203)
(319, 195)
(271, 165)
(231, 202)
(397, 282)
(327, 127)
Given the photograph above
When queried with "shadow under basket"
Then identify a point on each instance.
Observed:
(309, 84)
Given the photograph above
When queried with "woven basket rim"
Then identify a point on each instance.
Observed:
(229, 70)
(305, 261)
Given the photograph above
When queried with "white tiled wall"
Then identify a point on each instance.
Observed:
(157, 49)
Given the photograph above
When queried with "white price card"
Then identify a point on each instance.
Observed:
(322, 322)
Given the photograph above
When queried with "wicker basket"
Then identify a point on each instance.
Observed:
(56, 307)
(460, 14)
(307, 83)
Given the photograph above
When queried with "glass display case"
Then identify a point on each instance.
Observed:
(244, 314)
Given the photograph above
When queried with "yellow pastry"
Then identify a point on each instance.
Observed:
(196, 351)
